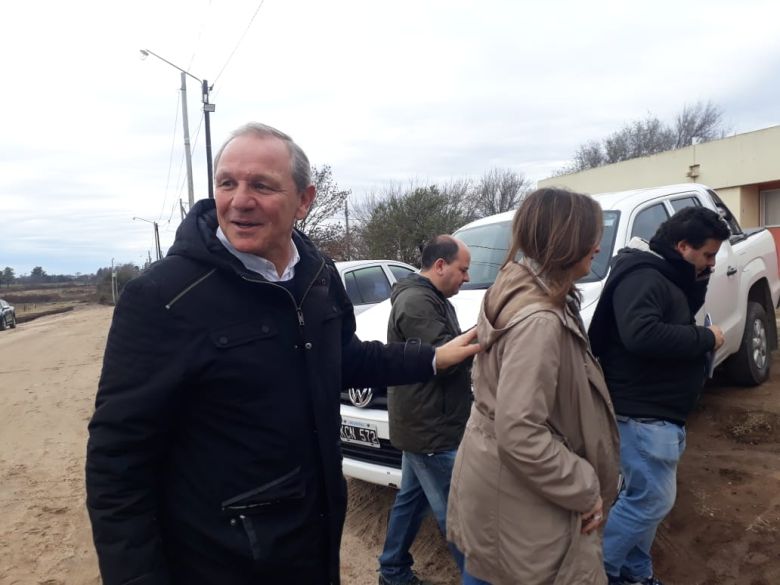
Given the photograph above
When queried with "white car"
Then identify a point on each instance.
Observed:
(368, 282)
(743, 293)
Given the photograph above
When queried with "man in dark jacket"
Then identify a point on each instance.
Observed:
(427, 420)
(213, 454)
(654, 359)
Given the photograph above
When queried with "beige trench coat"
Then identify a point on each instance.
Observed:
(541, 444)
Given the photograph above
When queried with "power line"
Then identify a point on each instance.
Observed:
(170, 216)
(197, 131)
(170, 158)
(248, 26)
(200, 34)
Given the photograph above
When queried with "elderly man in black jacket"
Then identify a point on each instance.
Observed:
(427, 420)
(213, 454)
(654, 360)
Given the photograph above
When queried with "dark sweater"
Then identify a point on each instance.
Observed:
(643, 331)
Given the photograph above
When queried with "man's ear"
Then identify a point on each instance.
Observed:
(682, 246)
(307, 198)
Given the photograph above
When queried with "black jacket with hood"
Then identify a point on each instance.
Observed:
(214, 453)
(428, 417)
(644, 334)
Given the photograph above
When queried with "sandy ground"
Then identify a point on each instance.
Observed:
(724, 530)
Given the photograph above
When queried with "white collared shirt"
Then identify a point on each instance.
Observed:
(260, 265)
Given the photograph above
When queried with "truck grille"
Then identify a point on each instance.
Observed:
(387, 455)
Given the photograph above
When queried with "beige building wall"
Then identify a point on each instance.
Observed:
(750, 206)
(734, 166)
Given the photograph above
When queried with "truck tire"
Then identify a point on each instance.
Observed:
(750, 365)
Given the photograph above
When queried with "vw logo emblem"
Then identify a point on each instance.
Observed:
(361, 397)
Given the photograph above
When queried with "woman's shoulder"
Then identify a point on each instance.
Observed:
(543, 312)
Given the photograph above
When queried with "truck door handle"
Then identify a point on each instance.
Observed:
(731, 271)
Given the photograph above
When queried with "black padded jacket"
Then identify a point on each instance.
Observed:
(214, 454)
(644, 334)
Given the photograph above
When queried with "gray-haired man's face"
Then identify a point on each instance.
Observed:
(256, 198)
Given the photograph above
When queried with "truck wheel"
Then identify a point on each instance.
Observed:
(13, 321)
(750, 365)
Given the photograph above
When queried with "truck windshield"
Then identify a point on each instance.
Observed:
(489, 245)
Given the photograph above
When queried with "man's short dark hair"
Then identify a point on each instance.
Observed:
(695, 225)
(444, 247)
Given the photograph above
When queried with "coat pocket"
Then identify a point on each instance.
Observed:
(286, 488)
(241, 333)
(258, 512)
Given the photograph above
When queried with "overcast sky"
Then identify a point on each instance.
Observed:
(91, 134)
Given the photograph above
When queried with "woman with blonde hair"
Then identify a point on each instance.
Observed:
(539, 460)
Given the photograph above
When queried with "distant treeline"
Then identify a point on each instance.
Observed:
(40, 287)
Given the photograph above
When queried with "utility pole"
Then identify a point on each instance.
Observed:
(157, 248)
(113, 282)
(187, 152)
(207, 109)
(346, 216)
(157, 240)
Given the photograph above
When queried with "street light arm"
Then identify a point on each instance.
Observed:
(147, 52)
(207, 109)
(146, 220)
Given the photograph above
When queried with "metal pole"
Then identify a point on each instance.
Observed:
(157, 241)
(346, 215)
(181, 208)
(207, 109)
(187, 150)
(113, 285)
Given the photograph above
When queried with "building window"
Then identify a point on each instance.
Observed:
(771, 207)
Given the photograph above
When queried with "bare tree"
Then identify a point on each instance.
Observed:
(638, 138)
(589, 155)
(702, 121)
(498, 190)
(319, 224)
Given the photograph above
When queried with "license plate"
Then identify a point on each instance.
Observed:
(359, 433)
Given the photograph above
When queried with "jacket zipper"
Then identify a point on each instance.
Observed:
(298, 308)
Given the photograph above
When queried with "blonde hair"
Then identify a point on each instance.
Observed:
(556, 228)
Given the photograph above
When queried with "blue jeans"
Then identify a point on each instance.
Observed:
(425, 484)
(649, 453)
(469, 579)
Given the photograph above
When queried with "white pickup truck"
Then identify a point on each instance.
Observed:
(743, 292)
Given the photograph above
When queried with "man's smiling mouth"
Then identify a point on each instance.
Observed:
(245, 224)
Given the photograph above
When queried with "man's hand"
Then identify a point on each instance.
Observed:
(593, 518)
(457, 349)
(718, 332)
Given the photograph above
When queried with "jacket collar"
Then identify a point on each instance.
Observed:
(196, 239)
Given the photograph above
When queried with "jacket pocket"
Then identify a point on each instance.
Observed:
(259, 512)
(286, 488)
(241, 333)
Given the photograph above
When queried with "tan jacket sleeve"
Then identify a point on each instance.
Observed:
(526, 394)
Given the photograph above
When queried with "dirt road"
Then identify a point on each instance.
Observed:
(724, 530)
